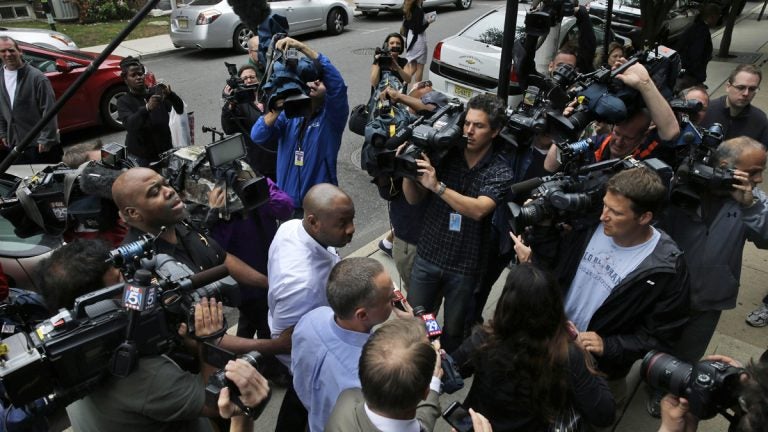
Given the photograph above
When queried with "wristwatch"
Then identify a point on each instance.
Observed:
(441, 189)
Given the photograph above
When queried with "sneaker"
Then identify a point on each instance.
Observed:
(385, 249)
(758, 317)
(653, 404)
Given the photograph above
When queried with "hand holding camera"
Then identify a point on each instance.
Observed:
(254, 388)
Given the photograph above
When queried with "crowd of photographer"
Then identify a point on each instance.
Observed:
(622, 246)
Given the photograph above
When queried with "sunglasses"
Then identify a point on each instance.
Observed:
(422, 84)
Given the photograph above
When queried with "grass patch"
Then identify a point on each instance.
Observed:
(86, 35)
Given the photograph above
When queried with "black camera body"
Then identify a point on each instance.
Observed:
(697, 173)
(385, 55)
(573, 198)
(710, 386)
(435, 136)
(241, 92)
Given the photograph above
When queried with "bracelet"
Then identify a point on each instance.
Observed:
(441, 189)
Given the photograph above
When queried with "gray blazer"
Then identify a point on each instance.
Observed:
(349, 413)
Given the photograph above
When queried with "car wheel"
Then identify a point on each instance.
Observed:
(335, 22)
(240, 38)
(370, 13)
(108, 107)
(463, 4)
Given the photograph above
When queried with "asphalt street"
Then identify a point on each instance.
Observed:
(199, 76)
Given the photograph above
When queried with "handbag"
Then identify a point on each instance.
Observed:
(182, 128)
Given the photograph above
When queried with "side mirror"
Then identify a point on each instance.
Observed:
(63, 66)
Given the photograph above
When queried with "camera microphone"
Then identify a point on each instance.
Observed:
(208, 276)
(526, 185)
(97, 179)
(433, 328)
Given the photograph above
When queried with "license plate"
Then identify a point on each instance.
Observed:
(462, 92)
(183, 23)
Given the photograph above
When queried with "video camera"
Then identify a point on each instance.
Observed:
(196, 170)
(573, 198)
(286, 80)
(241, 92)
(710, 386)
(385, 55)
(434, 136)
(70, 353)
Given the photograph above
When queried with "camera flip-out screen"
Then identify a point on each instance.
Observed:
(225, 151)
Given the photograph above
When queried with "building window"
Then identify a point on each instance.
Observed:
(14, 11)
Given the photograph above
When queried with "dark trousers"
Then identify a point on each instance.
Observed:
(696, 335)
(427, 281)
(292, 416)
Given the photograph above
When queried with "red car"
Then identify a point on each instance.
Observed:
(95, 103)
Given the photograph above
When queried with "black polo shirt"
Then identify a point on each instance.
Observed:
(461, 251)
(194, 249)
(751, 121)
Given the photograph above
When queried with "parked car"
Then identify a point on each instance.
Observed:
(40, 37)
(18, 256)
(373, 7)
(627, 19)
(213, 24)
(96, 101)
(467, 64)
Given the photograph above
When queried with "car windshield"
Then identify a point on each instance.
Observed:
(490, 29)
(204, 2)
(53, 51)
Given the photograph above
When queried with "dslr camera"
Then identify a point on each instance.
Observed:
(710, 386)
(218, 357)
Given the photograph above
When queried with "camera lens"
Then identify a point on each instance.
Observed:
(665, 372)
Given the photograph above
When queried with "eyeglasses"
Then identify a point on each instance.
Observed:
(749, 89)
(422, 84)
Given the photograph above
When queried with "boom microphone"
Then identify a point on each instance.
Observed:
(251, 13)
(96, 179)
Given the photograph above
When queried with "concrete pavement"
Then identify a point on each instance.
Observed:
(733, 336)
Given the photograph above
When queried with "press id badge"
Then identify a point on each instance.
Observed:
(298, 158)
(454, 223)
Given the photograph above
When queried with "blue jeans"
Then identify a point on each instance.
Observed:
(428, 281)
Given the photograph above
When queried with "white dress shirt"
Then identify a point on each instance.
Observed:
(298, 270)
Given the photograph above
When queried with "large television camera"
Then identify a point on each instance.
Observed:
(285, 80)
(70, 353)
(194, 171)
(54, 198)
(710, 386)
(573, 198)
(434, 136)
(600, 95)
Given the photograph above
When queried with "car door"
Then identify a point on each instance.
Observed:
(302, 15)
(77, 110)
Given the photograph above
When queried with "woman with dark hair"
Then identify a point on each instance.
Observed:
(528, 370)
(415, 25)
(392, 63)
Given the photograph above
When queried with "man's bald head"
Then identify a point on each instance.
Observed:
(146, 201)
(125, 189)
(328, 215)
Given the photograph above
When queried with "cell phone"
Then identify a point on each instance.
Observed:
(458, 417)
(399, 300)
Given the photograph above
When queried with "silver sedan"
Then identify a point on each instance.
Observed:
(213, 24)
